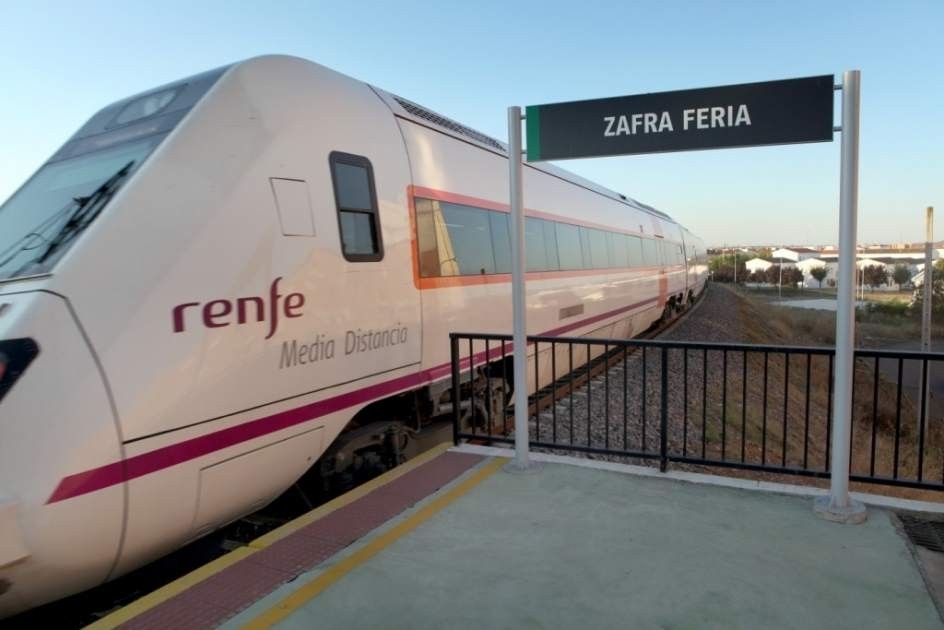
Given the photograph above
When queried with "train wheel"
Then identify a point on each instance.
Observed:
(487, 406)
(497, 398)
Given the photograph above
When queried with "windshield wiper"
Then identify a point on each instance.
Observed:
(86, 209)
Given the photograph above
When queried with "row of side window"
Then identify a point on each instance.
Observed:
(461, 240)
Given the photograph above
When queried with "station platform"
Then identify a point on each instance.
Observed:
(458, 539)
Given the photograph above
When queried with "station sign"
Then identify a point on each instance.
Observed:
(750, 114)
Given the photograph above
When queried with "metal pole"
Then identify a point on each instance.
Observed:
(861, 281)
(518, 288)
(924, 403)
(858, 282)
(735, 267)
(928, 287)
(839, 506)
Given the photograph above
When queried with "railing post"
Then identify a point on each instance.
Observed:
(664, 421)
(454, 355)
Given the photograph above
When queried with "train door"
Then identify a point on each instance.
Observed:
(381, 328)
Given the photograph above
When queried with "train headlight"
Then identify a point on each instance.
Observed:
(15, 356)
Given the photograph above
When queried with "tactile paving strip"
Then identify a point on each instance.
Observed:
(219, 597)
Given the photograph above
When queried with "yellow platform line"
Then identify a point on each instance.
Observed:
(167, 591)
(332, 574)
(349, 497)
(210, 569)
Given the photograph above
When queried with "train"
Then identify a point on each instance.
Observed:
(227, 282)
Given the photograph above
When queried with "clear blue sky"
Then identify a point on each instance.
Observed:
(60, 62)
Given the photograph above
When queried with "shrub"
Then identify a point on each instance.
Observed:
(894, 308)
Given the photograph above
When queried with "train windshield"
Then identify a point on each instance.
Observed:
(42, 219)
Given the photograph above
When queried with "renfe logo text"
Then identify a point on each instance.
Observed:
(244, 310)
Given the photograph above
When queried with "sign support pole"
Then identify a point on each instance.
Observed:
(923, 400)
(839, 506)
(928, 282)
(519, 339)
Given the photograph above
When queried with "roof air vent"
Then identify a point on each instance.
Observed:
(442, 121)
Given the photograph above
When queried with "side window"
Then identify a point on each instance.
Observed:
(501, 241)
(356, 199)
(599, 257)
(568, 244)
(458, 240)
(535, 248)
(610, 250)
(664, 252)
(585, 248)
(469, 239)
(650, 252)
(621, 250)
(634, 246)
(427, 218)
(550, 242)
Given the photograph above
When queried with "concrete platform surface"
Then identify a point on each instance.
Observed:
(571, 547)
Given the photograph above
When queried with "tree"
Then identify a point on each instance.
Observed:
(792, 276)
(722, 268)
(874, 276)
(819, 274)
(772, 275)
(937, 296)
(901, 274)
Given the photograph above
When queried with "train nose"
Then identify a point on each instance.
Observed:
(56, 422)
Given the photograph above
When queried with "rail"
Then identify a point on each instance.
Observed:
(752, 407)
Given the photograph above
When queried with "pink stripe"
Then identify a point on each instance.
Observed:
(597, 318)
(173, 454)
(146, 463)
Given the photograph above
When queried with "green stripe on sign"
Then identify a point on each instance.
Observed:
(533, 132)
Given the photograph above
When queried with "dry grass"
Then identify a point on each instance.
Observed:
(813, 327)
(785, 418)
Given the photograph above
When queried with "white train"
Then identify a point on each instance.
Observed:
(205, 285)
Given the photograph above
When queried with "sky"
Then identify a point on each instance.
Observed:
(60, 62)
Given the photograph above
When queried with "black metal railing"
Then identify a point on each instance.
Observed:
(763, 408)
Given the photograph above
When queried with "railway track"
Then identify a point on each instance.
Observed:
(580, 376)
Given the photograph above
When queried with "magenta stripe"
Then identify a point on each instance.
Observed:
(146, 463)
(173, 454)
(597, 318)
